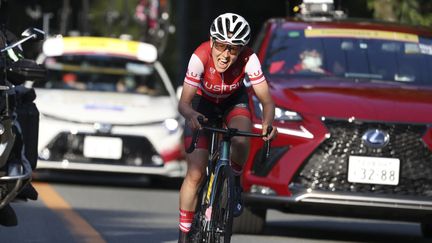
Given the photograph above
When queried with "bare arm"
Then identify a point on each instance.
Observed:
(185, 106)
(263, 94)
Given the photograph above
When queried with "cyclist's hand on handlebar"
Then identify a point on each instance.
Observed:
(269, 132)
(193, 120)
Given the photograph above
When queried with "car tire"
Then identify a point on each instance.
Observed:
(251, 221)
(426, 229)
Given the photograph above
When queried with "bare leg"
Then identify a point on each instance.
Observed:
(197, 162)
(240, 145)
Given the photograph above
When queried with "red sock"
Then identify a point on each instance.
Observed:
(237, 168)
(186, 218)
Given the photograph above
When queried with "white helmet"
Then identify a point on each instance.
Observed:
(231, 28)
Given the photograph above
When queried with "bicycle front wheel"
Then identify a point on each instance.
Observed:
(198, 233)
(222, 210)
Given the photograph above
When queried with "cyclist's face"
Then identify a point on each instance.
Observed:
(224, 55)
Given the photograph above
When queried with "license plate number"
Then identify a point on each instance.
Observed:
(103, 147)
(373, 170)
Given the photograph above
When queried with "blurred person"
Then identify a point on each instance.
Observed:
(146, 85)
(146, 11)
(310, 60)
(214, 86)
(125, 84)
(147, 14)
(70, 80)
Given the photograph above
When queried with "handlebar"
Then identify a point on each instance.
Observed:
(231, 132)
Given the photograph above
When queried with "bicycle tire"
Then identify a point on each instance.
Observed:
(222, 212)
(198, 232)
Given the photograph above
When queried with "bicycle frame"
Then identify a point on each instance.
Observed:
(214, 170)
(219, 149)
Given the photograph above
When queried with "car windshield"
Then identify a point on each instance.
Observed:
(350, 54)
(102, 73)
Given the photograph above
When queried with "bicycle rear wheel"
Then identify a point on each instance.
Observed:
(222, 211)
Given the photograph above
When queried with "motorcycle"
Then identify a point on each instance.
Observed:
(18, 127)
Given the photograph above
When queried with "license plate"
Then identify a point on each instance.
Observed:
(103, 147)
(373, 170)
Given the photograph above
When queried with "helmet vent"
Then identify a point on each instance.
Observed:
(231, 28)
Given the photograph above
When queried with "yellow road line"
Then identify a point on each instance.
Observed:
(79, 227)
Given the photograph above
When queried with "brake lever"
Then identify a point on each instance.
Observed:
(269, 130)
(200, 119)
(267, 143)
(193, 144)
(266, 148)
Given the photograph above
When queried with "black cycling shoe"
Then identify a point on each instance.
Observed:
(28, 192)
(8, 216)
(238, 202)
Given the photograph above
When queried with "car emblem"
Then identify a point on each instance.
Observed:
(102, 127)
(375, 138)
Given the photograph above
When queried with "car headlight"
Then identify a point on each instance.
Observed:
(171, 124)
(281, 114)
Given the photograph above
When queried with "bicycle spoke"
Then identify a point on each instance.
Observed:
(199, 233)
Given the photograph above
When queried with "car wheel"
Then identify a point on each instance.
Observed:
(426, 229)
(251, 221)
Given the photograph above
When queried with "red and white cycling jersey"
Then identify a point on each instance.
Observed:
(216, 86)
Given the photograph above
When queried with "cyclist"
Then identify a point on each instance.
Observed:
(310, 61)
(147, 12)
(214, 86)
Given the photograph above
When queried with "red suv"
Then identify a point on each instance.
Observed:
(354, 115)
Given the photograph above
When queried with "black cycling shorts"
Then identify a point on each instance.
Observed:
(235, 105)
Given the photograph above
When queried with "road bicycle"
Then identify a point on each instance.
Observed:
(214, 212)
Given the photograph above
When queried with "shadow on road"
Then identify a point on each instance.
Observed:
(351, 231)
(39, 224)
(109, 179)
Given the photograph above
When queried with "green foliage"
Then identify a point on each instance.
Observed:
(416, 12)
(114, 18)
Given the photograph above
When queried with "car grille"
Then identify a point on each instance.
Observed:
(327, 168)
(137, 151)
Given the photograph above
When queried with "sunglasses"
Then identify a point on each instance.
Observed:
(232, 49)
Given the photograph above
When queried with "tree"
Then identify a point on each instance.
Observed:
(416, 12)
